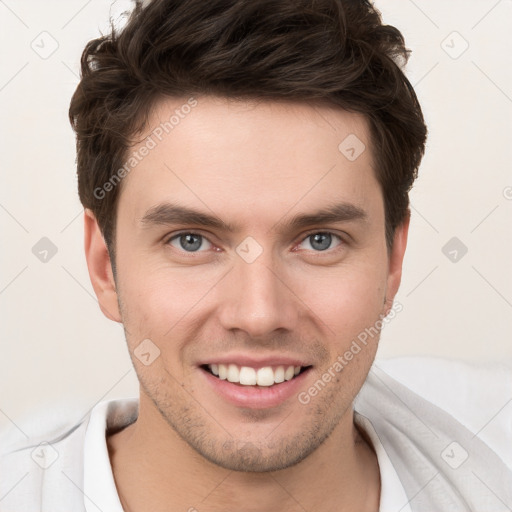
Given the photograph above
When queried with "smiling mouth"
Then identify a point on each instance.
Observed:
(266, 376)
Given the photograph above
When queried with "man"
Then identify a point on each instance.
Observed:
(245, 169)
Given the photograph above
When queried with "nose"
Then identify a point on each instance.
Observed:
(258, 299)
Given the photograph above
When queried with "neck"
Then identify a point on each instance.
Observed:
(155, 469)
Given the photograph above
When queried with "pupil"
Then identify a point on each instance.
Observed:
(323, 240)
(192, 242)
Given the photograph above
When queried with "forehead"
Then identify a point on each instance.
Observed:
(238, 155)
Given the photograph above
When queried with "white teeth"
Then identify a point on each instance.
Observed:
(279, 375)
(233, 373)
(248, 376)
(223, 371)
(289, 373)
(265, 376)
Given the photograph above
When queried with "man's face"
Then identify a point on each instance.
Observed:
(267, 292)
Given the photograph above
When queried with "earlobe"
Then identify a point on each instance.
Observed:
(100, 267)
(396, 259)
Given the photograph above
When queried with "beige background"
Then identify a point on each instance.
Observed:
(55, 344)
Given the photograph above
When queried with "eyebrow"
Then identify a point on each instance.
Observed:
(170, 214)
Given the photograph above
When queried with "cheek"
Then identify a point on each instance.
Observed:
(156, 309)
(153, 301)
(346, 300)
(157, 301)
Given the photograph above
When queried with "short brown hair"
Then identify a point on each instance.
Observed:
(332, 51)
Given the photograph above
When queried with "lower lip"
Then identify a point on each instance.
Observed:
(256, 397)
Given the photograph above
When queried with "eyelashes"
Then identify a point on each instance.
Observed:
(195, 241)
(189, 237)
(326, 235)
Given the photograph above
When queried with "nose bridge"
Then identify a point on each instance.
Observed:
(257, 301)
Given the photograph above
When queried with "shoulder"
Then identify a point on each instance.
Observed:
(42, 453)
(47, 459)
(479, 395)
(446, 428)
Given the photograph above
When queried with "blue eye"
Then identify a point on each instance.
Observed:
(189, 242)
(321, 241)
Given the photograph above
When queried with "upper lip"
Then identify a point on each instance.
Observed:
(255, 361)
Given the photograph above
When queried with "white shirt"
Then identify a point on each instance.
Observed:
(73, 472)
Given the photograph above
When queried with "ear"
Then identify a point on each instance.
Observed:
(100, 268)
(396, 259)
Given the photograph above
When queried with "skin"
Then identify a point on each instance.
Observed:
(257, 164)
